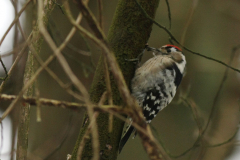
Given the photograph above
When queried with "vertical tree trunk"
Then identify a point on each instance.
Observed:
(128, 34)
(31, 64)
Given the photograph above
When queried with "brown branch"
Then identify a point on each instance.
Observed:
(85, 137)
(61, 47)
(152, 147)
(14, 21)
(109, 92)
(107, 52)
(115, 110)
(56, 103)
(17, 59)
(143, 129)
(72, 77)
(11, 106)
(30, 68)
(54, 30)
(15, 6)
(101, 41)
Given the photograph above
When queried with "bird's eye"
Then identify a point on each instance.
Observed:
(168, 50)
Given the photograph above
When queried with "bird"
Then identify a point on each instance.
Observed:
(155, 83)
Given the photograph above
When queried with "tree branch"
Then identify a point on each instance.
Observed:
(187, 49)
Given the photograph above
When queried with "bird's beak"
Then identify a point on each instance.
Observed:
(156, 51)
(150, 48)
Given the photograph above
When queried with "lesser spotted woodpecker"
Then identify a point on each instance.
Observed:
(155, 83)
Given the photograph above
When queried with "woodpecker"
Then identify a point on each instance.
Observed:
(155, 83)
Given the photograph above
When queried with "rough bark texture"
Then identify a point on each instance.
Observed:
(128, 34)
(31, 64)
(23, 128)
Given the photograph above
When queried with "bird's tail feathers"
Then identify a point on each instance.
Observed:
(125, 138)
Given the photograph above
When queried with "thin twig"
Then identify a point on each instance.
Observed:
(5, 70)
(17, 59)
(56, 33)
(108, 53)
(15, 6)
(100, 10)
(12, 51)
(85, 137)
(205, 146)
(192, 106)
(151, 145)
(4, 36)
(51, 73)
(61, 47)
(106, 71)
(72, 77)
(196, 144)
(190, 103)
(220, 87)
(187, 49)
(14, 21)
(55, 77)
(203, 150)
(225, 142)
(190, 15)
(61, 104)
(169, 14)
(109, 92)
(37, 93)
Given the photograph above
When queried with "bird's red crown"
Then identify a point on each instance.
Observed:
(170, 45)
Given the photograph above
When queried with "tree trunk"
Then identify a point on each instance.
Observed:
(128, 34)
(31, 64)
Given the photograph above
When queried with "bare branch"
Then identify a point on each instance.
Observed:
(5, 69)
(169, 14)
(100, 11)
(17, 59)
(190, 15)
(153, 148)
(62, 104)
(220, 87)
(72, 77)
(108, 53)
(85, 137)
(15, 20)
(187, 49)
(61, 47)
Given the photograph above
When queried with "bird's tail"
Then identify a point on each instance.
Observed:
(125, 138)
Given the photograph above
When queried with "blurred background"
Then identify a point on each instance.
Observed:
(213, 31)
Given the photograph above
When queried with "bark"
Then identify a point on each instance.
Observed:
(128, 34)
(31, 64)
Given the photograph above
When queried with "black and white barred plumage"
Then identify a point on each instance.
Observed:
(155, 83)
